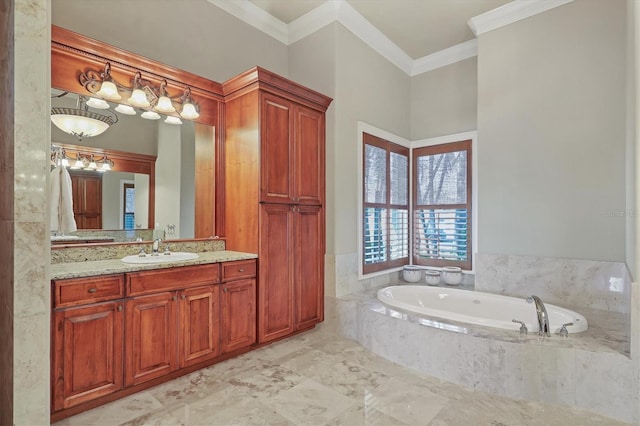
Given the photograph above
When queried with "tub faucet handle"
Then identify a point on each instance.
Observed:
(563, 330)
(523, 327)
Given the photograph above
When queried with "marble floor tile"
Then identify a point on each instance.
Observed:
(310, 403)
(317, 378)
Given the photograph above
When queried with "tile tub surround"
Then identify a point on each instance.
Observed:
(565, 282)
(591, 370)
(319, 378)
(83, 253)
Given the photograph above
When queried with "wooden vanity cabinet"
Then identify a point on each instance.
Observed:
(238, 301)
(87, 340)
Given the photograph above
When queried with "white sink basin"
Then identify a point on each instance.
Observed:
(64, 237)
(161, 258)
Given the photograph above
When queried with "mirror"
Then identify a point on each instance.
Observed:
(185, 191)
(171, 190)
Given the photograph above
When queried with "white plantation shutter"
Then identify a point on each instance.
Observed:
(386, 204)
(442, 205)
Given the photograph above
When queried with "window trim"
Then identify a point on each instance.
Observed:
(461, 145)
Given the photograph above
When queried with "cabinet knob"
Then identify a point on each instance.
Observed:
(93, 290)
(119, 308)
(224, 289)
(241, 270)
(183, 297)
(174, 298)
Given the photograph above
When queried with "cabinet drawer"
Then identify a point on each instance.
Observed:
(79, 291)
(153, 281)
(239, 269)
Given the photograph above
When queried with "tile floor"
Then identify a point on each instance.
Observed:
(317, 378)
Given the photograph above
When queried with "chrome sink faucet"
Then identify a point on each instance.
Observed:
(543, 317)
(156, 246)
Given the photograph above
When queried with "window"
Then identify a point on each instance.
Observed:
(129, 206)
(385, 204)
(442, 205)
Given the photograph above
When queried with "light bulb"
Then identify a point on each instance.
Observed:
(139, 99)
(164, 105)
(64, 162)
(172, 120)
(189, 111)
(109, 91)
(98, 103)
(125, 109)
(150, 115)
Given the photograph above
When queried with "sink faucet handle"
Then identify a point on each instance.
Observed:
(167, 251)
(142, 253)
(563, 330)
(523, 327)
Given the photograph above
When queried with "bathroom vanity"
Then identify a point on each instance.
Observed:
(116, 333)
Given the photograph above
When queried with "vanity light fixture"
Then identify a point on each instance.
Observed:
(142, 94)
(81, 122)
(108, 89)
(98, 103)
(172, 120)
(81, 160)
(164, 104)
(125, 109)
(150, 115)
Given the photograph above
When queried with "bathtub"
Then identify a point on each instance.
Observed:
(474, 307)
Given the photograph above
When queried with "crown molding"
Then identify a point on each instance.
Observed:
(511, 12)
(445, 57)
(256, 17)
(340, 11)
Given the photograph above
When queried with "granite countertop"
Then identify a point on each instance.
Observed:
(115, 266)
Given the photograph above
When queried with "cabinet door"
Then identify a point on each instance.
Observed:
(238, 314)
(309, 266)
(276, 128)
(87, 199)
(309, 145)
(199, 320)
(275, 289)
(150, 337)
(87, 353)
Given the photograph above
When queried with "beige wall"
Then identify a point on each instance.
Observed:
(200, 38)
(369, 89)
(444, 100)
(551, 134)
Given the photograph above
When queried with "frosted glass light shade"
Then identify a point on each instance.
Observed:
(150, 115)
(78, 164)
(139, 99)
(98, 103)
(109, 91)
(189, 111)
(105, 167)
(172, 120)
(125, 109)
(164, 105)
(79, 123)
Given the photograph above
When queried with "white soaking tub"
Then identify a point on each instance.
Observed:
(474, 307)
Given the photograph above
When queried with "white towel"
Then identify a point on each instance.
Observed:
(62, 219)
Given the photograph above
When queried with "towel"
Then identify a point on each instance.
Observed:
(61, 206)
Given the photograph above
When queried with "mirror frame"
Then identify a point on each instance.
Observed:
(124, 162)
(72, 54)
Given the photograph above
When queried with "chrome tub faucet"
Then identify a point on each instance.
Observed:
(543, 317)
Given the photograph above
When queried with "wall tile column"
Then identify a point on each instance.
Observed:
(31, 246)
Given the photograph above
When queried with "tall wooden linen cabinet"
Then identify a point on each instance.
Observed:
(274, 190)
